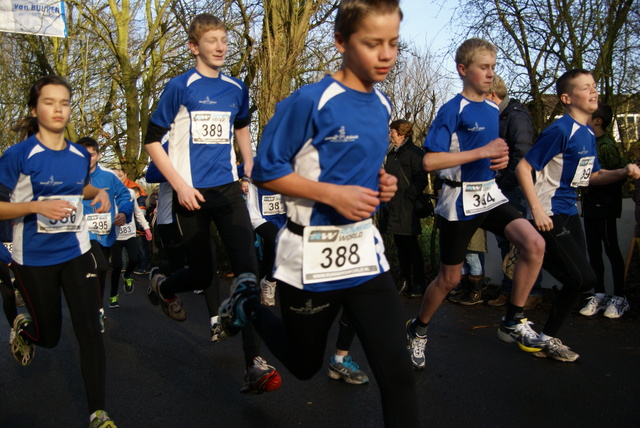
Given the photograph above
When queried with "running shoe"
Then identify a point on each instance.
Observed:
(267, 292)
(596, 303)
(101, 318)
(172, 308)
(21, 348)
(232, 317)
(617, 307)
(101, 420)
(555, 349)
(416, 347)
(128, 284)
(113, 301)
(19, 299)
(217, 333)
(520, 332)
(348, 371)
(467, 298)
(261, 377)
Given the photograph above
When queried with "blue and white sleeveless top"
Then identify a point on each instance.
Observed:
(330, 133)
(201, 113)
(30, 170)
(459, 126)
(564, 156)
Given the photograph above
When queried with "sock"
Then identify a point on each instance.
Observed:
(600, 296)
(514, 313)
(214, 320)
(338, 358)
(92, 416)
(419, 327)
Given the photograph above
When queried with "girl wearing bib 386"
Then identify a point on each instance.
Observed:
(43, 181)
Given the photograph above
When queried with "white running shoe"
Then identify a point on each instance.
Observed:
(555, 349)
(617, 307)
(596, 303)
(267, 292)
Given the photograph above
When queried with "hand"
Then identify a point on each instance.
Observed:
(499, 163)
(387, 185)
(120, 219)
(147, 234)
(541, 220)
(102, 198)
(355, 202)
(496, 149)
(632, 171)
(55, 209)
(188, 197)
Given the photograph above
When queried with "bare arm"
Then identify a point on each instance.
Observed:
(188, 197)
(497, 150)
(541, 220)
(606, 176)
(353, 202)
(99, 196)
(55, 209)
(243, 138)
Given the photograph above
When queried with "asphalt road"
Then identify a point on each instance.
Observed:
(161, 373)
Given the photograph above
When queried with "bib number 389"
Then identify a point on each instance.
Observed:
(332, 253)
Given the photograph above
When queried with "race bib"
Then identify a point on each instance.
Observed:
(272, 205)
(73, 223)
(100, 223)
(481, 196)
(210, 127)
(331, 253)
(8, 246)
(583, 172)
(127, 231)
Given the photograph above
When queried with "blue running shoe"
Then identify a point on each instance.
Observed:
(232, 317)
(348, 371)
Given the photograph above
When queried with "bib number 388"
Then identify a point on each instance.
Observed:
(332, 253)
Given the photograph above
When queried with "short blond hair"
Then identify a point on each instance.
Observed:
(468, 50)
(203, 23)
(499, 87)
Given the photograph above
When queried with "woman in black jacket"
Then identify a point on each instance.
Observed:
(397, 216)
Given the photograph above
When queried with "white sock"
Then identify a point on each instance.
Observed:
(92, 416)
(214, 320)
(600, 296)
(338, 358)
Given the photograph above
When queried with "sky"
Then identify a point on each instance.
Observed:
(426, 25)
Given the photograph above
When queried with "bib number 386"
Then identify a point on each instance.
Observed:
(332, 253)
(73, 223)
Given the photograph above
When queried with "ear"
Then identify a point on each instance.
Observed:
(462, 70)
(340, 42)
(565, 98)
(33, 112)
(193, 48)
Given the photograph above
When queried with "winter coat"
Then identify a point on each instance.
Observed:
(397, 216)
(605, 201)
(516, 128)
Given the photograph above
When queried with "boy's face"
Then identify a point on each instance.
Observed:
(371, 51)
(478, 76)
(583, 95)
(95, 157)
(211, 49)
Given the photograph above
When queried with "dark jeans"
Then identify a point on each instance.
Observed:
(599, 231)
(411, 261)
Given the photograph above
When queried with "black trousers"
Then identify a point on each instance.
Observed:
(604, 232)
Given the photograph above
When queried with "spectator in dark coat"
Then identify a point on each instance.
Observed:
(397, 217)
(516, 128)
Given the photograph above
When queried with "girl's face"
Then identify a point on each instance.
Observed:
(53, 108)
(370, 52)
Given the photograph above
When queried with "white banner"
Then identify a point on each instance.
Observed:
(42, 17)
